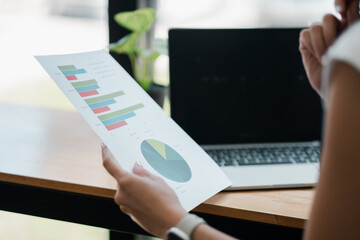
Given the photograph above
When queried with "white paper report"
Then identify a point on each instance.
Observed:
(133, 126)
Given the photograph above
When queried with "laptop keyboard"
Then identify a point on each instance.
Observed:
(266, 155)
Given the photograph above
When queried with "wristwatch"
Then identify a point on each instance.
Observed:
(184, 229)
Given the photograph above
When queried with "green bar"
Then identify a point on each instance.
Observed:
(104, 97)
(120, 112)
(67, 67)
(84, 83)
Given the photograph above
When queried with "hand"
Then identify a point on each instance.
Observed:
(146, 198)
(315, 41)
(349, 10)
(313, 44)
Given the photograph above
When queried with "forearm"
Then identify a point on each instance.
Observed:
(336, 205)
(204, 231)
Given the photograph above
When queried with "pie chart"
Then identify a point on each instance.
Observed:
(165, 160)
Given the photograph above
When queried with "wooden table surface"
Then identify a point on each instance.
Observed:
(56, 149)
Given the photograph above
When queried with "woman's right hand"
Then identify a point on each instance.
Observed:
(146, 198)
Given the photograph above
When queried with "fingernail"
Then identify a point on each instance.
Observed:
(338, 8)
(137, 164)
(103, 145)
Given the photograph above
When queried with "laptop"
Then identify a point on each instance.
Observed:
(243, 95)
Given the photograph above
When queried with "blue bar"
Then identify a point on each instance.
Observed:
(87, 88)
(73, 72)
(102, 103)
(119, 118)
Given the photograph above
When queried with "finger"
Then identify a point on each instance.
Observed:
(317, 41)
(352, 12)
(340, 6)
(331, 28)
(111, 165)
(140, 171)
(305, 41)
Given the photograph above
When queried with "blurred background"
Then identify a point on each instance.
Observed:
(37, 27)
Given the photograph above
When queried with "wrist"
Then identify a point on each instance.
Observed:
(173, 220)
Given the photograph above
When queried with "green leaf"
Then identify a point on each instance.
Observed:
(138, 21)
(149, 54)
(126, 44)
(145, 84)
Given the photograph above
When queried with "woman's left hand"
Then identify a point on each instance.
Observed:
(349, 10)
(146, 198)
(314, 42)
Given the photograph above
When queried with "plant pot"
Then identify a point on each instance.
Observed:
(158, 93)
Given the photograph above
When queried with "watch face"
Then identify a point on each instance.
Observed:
(176, 234)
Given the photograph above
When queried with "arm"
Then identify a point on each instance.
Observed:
(150, 202)
(336, 209)
(209, 233)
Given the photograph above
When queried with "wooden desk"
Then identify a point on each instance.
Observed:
(51, 167)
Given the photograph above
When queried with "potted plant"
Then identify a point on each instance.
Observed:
(142, 59)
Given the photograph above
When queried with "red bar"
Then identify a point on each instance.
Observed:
(88, 93)
(72, 77)
(101, 109)
(116, 125)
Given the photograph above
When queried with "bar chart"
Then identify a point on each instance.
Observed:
(117, 118)
(101, 104)
(70, 71)
(86, 88)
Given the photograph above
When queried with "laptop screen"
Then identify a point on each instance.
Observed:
(241, 86)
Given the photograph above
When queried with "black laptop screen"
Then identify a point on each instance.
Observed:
(241, 85)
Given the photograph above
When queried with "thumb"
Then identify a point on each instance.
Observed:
(140, 170)
(352, 13)
(111, 165)
(340, 6)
